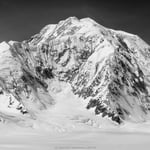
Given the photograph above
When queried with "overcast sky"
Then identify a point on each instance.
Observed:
(20, 19)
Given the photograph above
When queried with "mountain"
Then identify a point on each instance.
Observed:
(107, 69)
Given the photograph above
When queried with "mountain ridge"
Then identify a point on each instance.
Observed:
(108, 68)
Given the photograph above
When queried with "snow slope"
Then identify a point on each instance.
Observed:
(69, 126)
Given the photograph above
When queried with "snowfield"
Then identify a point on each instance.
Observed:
(14, 138)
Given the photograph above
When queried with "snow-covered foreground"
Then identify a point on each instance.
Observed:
(68, 125)
(26, 139)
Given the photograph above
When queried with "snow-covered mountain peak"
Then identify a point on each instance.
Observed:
(108, 68)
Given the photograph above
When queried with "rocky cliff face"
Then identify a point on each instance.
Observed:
(109, 69)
